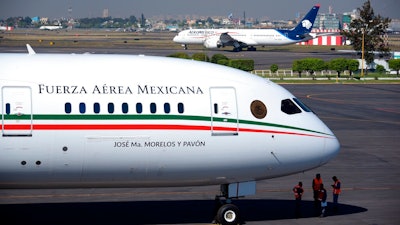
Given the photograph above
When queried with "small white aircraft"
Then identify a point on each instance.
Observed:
(6, 28)
(169, 122)
(51, 27)
(248, 38)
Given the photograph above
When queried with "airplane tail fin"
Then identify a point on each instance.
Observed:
(306, 24)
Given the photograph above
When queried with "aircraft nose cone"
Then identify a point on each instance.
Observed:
(332, 147)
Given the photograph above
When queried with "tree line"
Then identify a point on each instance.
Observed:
(339, 65)
(221, 59)
(312, 65)
(309, 65)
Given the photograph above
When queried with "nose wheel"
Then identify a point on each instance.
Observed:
(228, 214)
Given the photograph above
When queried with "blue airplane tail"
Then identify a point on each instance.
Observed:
(305, 25)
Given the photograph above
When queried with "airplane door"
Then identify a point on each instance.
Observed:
(224, 116)
(16, 112)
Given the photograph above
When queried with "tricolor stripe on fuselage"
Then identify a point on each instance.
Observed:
(95, 125)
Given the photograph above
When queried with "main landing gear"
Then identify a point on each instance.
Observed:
(227, 213)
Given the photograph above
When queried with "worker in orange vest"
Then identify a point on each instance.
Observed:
(316, 185)
(298, 193)
(336, 191)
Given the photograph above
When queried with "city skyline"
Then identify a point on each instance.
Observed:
(282, 10)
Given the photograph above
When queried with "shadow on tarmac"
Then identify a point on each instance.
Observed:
(154, 212)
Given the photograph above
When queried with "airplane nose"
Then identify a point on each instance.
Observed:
(332, 147)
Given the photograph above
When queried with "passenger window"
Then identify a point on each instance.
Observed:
(288, 107)
(68, 108)
(8, 108)
(139, 108)
(167, 108)
(96, 108)
(125, 108)
(180, 108)
(110, 107)
(153, 107)
(82, 107)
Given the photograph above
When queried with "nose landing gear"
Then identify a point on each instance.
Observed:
(227, 213)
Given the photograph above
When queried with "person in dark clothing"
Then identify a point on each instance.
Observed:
(322, 198)
(298, 193)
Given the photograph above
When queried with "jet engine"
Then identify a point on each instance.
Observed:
(213, 42)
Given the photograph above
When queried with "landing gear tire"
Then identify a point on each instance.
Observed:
(228, 214)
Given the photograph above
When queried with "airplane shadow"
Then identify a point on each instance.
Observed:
(154, 212)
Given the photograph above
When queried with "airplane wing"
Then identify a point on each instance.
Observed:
(227, 40)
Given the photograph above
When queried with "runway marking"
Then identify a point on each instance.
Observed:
(344, 101)
(367, 102)
(359, 120)
(390, 110)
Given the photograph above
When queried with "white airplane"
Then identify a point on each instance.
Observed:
(248, 38)
(169, 122)
(6, 28)
(51, 27)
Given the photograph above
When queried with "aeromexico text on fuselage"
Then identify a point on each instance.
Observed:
(121, 89)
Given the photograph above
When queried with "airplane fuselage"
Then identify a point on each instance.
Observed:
(49, 27)
(139, 121)
(253, 37)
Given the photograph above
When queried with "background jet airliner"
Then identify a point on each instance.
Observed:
(51, 27)
(248, 38)
(182, 123)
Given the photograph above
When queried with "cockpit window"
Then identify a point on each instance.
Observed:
(288, 107)
(302, 105)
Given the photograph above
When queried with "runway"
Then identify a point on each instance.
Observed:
(366, 120)
(263, 58)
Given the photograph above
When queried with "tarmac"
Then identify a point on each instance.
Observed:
(366, 120)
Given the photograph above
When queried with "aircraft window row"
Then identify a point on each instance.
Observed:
(263, 35)
(111, 108)
(289, 107)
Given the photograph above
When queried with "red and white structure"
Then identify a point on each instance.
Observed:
(6, 28)
(332, 39)
(325, 40)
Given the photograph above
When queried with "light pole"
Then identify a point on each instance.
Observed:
(362, 53)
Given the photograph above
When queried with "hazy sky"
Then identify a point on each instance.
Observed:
(273, 9)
